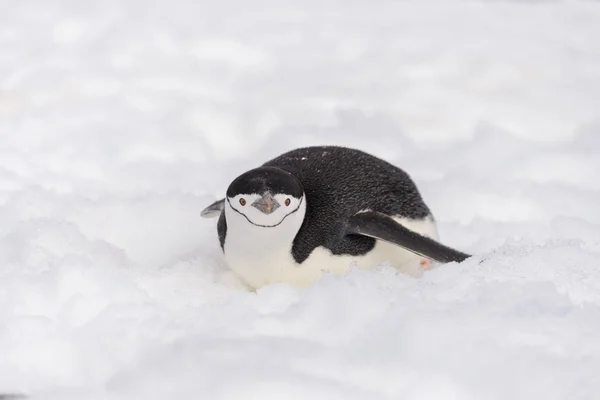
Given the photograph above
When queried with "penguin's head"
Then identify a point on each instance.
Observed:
(267, 197)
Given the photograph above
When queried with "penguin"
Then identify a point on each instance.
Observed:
(324, 210)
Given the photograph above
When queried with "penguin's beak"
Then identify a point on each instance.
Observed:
(267, 203)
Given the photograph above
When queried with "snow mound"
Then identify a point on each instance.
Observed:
(120, 122)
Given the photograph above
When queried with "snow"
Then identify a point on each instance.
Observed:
(121, 120)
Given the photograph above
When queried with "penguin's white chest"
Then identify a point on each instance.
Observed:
(262, 256)
(258, 269)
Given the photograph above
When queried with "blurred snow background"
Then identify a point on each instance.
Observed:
(120, 120)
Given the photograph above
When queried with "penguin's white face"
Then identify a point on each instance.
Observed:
(266, 209)
(266, 197)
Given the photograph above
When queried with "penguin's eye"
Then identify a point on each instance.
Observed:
(243, 201)
(287, 202)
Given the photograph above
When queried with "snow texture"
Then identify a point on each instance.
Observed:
(120, 120)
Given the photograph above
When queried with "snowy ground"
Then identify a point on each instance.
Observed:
(120, 120)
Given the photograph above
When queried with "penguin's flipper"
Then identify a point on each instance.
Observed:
(382, 227)
(214, 210)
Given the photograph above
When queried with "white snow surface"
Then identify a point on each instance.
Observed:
(120, 120)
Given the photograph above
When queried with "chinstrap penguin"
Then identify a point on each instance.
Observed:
(325, 209)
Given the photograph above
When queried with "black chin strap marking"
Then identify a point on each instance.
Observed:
(266, 226)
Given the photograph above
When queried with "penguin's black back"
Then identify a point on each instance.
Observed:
(338, 183)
